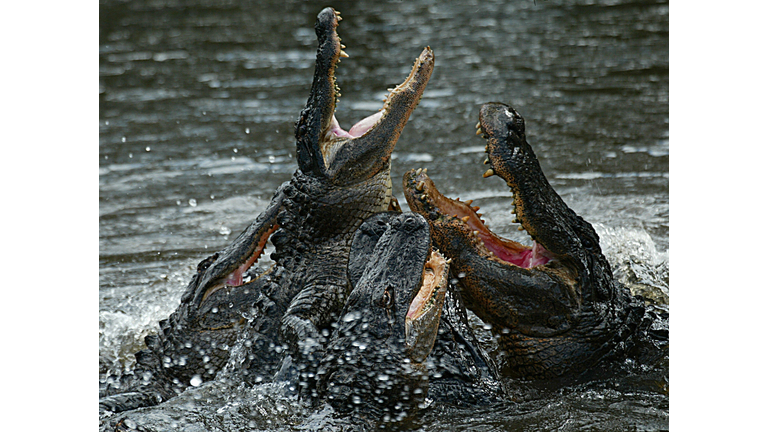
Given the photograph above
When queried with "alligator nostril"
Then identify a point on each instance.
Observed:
(397, 222)
(410, 223)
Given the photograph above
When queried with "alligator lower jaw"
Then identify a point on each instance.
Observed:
(423, 197)
(423, 317)
(236, 278)
(333, 136)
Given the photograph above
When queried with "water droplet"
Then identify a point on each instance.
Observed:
(247, 130)
(106, 123)
(383, 377)
(271, 159)
(147, 148)
(234, 150)
(122, 139)
(130, 155)
(356, 400)
(225, 231)
(351, 316)
(461, 275)
(196, 381)
(192, 202)
(204, 113)
(178, 202)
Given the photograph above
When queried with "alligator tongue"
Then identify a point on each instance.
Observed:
(358, 129)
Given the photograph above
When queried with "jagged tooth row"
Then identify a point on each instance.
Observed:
(490, 172)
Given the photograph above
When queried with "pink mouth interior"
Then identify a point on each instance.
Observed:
(526, 258)
(505, 250)
(236, 277)
(358, 129)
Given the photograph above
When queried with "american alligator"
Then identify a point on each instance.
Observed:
(380, 363)
(554, 306)
(343, 177)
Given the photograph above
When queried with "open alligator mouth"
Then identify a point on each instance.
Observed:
(333, 135)
(324, 147)
(423, 197)
(423, 317)
(240, 275)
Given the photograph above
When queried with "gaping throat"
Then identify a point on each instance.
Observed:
(462, 216)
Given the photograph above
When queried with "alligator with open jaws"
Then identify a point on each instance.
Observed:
(403, 337)
(343, 177)
(554, 306)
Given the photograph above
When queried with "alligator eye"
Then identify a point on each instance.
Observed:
(204, 264)
(388, 298)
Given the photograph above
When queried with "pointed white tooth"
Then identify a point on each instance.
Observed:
(488, 173)
(520, 228)
(343, 54)
(477, 126)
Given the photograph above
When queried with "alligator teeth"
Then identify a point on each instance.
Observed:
(488, 173)
(469, 202)
(486, 161)
(476, 208)
(465, 219)
(343, 54)
(520, 228)
(418, 171)
(477, 125)
(420, 186)
(479, 214)
(424, 197)
(479, 131)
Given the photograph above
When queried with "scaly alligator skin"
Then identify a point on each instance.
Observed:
(343, 177)
(370, 368)
(403, 334)
(555, 306)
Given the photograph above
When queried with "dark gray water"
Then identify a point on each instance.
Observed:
(197, 105)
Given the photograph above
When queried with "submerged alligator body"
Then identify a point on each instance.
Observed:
(343, 177)
(555, 306)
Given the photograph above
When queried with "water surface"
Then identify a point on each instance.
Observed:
(197, 105)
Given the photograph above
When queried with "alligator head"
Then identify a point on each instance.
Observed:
(554, 304)
(373, 363)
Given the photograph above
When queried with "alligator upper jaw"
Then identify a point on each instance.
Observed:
(423, 317)
(540, 210)
(327, 150)
(424, 198)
